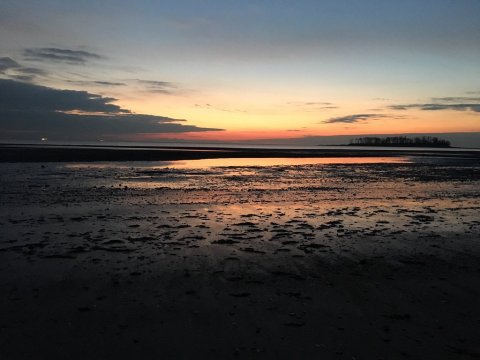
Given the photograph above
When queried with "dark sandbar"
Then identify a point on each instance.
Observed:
(32, 153)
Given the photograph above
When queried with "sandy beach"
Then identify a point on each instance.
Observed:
(139, 259)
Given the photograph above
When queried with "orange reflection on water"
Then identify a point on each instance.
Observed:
(207, 163)
(238, 162)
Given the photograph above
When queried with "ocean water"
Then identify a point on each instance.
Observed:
(169, 145)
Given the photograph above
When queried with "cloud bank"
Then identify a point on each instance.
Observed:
(444, 103)
(7, 63)
(60, 55)
(95, 83)
(356, 118)
(14, 70)
(33, 111)
(159, 87)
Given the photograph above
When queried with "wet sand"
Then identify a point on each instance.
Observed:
(330, 261)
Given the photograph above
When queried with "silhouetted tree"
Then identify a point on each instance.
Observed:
(424, 141)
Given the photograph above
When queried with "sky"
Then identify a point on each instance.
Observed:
(225, 70)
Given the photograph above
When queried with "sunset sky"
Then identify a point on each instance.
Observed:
(232, 70)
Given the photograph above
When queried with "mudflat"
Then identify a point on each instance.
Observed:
(90, 153)
(309, 261)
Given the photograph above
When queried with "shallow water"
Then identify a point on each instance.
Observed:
(242, 162)
(191, 146)
(239, 162)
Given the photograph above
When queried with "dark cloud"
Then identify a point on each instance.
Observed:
(16, 96)
(156, 83)
(109, 83)
(7, 63)
(14, 70)
(351, 119)
(59, 124)
(314, 105)
(60, 55)
(444, 103)
(22, 78)
(457, 99)
(433, 107)
(38, 111)
(32, 71)
(100, 83)
(161, 87)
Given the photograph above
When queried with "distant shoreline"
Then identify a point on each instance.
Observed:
(403, 146)
(401, 141)
(32, 153)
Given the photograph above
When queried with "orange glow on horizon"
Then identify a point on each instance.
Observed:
(256, 116)
(266, 117)
(228, 135)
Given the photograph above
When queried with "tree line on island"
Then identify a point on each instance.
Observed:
(423, 141)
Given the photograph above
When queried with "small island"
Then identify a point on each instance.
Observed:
(401, 141)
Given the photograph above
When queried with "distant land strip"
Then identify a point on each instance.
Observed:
(401, 141)
(32, 153)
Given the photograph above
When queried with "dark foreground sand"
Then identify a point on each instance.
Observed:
(377, 261)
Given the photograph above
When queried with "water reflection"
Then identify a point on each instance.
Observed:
(238, 162)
